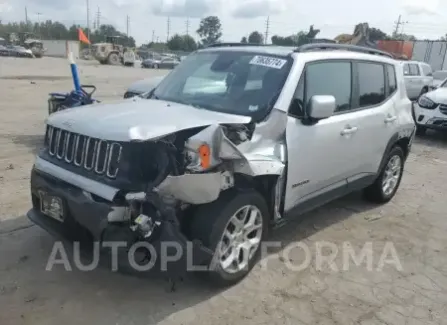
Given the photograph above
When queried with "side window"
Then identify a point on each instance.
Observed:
(329, 78)
(414, 70)
(371, 84)
(406, 69)
(391, 74)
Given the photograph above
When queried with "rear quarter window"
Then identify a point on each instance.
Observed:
(414, 69)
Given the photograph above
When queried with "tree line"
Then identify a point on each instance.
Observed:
(55, 30)
(209, 32)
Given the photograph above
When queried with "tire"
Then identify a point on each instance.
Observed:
(210, 222)
(420, 130)
(114, 59)
(376, 192)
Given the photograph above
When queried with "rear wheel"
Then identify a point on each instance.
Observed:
(388, 181)
(233, 227)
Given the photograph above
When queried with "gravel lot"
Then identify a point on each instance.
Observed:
(414, 222)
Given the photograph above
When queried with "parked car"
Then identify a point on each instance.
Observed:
(142, 86)
(213, 171)
(164, 63)
(430, 111)
(418, 78)
(438, 78)
(4, 51)
(17, 51)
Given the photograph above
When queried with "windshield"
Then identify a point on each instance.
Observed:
(240, 83)
(440, 75)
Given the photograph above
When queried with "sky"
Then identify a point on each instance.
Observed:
(148, 19)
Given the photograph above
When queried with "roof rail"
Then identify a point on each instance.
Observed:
(232, 44)
(335, 46)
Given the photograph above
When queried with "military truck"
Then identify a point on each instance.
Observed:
(112, 52)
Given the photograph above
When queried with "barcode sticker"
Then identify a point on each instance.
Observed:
(268, 61)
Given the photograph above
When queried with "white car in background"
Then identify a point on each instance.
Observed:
(418, 78)
(430, 111)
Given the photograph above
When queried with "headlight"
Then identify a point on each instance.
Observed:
(426, 103)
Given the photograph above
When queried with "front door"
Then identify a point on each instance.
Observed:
(319, 155)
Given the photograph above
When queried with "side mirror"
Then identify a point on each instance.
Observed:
(321, 107)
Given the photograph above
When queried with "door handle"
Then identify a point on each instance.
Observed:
(349, 130)
(390, 119)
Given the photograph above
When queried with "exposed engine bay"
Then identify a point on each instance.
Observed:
(183, 169)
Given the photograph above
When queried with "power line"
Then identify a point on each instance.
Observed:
(267, 27)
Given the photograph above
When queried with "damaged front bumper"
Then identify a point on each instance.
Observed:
(84, 210)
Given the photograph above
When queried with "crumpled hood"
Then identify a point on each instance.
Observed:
(137, 119)
(438, 95)
(145, 85)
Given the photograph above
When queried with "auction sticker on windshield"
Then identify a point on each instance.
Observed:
(268, 61)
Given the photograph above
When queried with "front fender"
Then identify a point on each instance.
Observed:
(223, 150)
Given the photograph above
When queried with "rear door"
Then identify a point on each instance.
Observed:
(427, 74)
(376, 117)
(417, 80)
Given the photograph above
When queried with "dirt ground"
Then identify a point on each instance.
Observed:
(414, 223)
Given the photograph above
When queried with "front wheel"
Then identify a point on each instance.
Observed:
(114, 59)
(388, 181)
(233, 227)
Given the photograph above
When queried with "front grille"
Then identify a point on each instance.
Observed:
(91, 154)
(443, 109)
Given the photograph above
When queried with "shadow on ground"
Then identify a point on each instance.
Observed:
(432, 139)
(124, 298)
(32, 142)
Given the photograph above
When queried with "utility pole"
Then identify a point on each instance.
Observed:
(267, 27)
(38, 21)
(169, 29)
(153, 36)
(26, 16)
(187, 26)
(98, 18)
(127, 25)
(398, 23)
(88, 19)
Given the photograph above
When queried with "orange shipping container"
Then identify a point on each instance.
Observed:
(397, 48)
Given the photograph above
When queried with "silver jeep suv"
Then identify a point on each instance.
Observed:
(235, 140)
